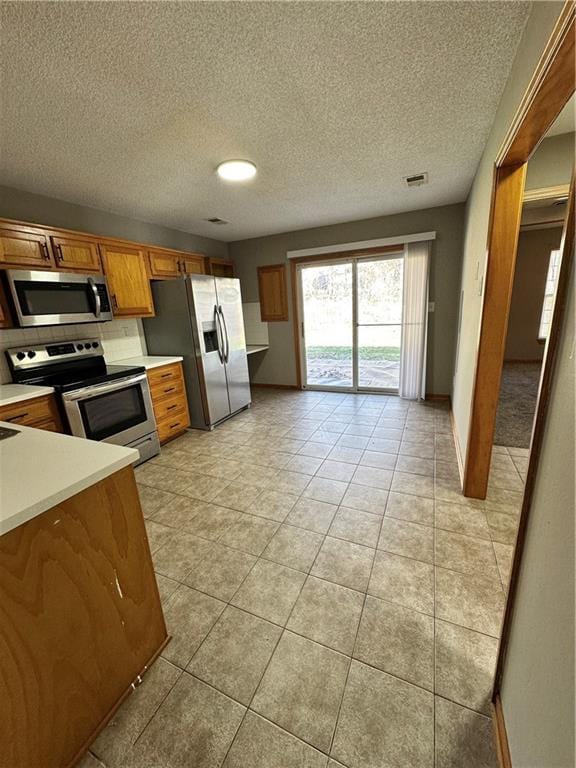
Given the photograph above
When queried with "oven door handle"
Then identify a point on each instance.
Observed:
(102, 389)
(97, 301)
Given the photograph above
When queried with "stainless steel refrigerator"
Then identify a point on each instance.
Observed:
(200, 318)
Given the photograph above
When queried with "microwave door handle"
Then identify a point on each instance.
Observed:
(227, 352)
(97, 301)
(219, 334)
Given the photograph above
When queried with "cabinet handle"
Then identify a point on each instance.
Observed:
(173, 426)
(165, 375)
(45, 254)
(180, 267)
(114, 302)
(59, 254)
(18, 416)
(169, 389)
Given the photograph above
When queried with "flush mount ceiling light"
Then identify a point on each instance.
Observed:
(236, 170)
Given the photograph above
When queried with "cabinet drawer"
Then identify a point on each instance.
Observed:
(172, 426)
(33, 413)
(166, 374)
(167, 388)
(169, 406)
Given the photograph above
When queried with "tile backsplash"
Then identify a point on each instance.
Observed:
(119, 338)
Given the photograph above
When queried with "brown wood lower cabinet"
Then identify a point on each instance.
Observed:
(80, 621)
(40, 412)
(169, 400)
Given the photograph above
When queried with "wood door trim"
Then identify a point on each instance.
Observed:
(538, 109)
(502, 748)
(358, 253)
(551, 86)
(546, 380)
(504, 232)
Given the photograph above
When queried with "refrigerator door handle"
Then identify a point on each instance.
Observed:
(227, 351)
(219, 334)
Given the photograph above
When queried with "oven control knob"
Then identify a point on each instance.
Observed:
(31, 353)
(20, 355)
(79, 347)
(94, 345)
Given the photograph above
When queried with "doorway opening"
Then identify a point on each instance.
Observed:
(351, 323)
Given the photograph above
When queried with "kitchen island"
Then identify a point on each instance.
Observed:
(80, 612)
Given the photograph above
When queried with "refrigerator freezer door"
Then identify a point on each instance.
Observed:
(230, 302)
(203, 303)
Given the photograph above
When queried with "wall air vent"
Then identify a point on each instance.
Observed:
(416, 180)
(216, 220)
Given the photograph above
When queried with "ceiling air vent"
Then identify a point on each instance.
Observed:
(216, 220)
(416, 180)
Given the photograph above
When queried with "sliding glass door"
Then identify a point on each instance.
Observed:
(351, 323)
(327, 324)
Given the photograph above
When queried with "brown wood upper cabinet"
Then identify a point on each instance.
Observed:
(193, 264)
(22, 248)
(170, 264)
(273, 295)
(219, 267)
(75, 254)
(128, 280)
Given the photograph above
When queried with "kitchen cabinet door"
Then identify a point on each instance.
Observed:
(164, 265)
(192, 264)
(128, 280)
(76, 255)
(5, 315)
(219, 267)
(273, 293)
(20, 248)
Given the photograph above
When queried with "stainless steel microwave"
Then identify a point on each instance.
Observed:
(58, 298)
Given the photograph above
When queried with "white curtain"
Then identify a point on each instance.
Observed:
(414, 321)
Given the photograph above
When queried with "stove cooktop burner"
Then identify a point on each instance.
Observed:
(66, 381)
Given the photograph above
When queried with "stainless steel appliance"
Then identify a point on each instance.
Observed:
(57, 298)
(200, 318)
(100, 402)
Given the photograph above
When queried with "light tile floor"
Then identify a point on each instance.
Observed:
(332, 597)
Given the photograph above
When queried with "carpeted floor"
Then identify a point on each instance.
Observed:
(517, 404)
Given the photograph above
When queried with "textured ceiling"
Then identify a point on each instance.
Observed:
(128, 107)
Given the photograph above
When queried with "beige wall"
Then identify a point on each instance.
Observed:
(537, 31)
(538, 684)
(552, 163)
(278, 365)
(534, 247)
(38, 209)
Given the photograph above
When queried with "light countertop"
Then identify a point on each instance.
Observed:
(39, 469)
(148, 361)
(16, 393)
(252, 348)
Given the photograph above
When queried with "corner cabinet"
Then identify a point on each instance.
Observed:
(128, 280)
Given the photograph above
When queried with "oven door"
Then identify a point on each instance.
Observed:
(118, 412)
(56, 298)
